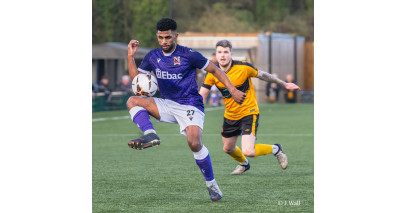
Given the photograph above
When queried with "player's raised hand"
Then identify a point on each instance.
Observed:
(238, 96)
(291, 86)
(133, 47)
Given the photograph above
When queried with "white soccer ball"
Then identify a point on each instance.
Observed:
(144, 85)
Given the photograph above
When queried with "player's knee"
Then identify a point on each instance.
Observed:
(195, 146)
(132, 102)
(248, 153)
(228, 150)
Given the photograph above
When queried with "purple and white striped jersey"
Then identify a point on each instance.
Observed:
(176, 73)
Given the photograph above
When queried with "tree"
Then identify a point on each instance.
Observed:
(123, 20)
(146, 14)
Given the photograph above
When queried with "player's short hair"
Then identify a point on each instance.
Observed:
(166, 24)
(224, 43)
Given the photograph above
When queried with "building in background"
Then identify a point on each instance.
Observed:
(244, 44)
(110, 60)
(281, 54)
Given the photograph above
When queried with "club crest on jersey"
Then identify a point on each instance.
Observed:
(176, 60)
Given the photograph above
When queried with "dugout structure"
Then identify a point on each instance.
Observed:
(110, 60)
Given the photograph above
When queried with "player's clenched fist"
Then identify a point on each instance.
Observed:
(132, 47)
(238, 96)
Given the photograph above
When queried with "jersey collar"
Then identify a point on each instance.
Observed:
(169, 54)
(232, 64)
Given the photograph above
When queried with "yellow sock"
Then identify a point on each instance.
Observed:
(263, 149)
(237, 155)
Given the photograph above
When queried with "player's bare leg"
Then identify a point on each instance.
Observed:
(250, 149)
(140, 108)
(248, 145)
(229, 144)
(202, 157)
(230, 147)
(194, 138)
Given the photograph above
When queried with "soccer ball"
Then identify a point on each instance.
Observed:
(144, 85)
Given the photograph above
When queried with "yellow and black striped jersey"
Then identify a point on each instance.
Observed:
(240, 74)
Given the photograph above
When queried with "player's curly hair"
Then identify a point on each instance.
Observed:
(166, 24)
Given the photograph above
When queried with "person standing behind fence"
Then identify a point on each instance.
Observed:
(273, 91)
(213, 58)
(215, 94)
(125, 85)
(103, 86)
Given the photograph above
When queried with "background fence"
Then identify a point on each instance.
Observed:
(309, 66)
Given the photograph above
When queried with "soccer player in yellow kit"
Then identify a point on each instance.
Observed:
(242, 119)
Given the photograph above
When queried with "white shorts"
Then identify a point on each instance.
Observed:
(184, 115)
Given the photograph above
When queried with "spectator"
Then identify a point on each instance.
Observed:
(125, 85)
(290, 95)
(215, 95)
(104, 87)
(273, 91)
(95, 87)
(213, 58)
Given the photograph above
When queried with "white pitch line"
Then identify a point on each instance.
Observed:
(128, 116)
(110, 118)
(213, 109)
(211, 134)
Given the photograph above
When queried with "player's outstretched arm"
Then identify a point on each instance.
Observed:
(132, 49)
(204, 92)
(236, 94)
(273, 79)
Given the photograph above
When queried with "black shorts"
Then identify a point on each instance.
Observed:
(244, 126)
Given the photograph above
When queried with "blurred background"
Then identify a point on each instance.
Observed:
(275, 36)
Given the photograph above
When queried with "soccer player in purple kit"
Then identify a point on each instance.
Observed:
(175, 68)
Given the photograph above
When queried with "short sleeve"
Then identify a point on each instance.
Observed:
(197, 60)
(208, 81)
(145, 64)
(251, 70)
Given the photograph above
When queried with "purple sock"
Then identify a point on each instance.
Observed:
(141, 118)
(206, 168)
(205, 163)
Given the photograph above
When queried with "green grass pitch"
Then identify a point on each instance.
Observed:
(167, 179)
